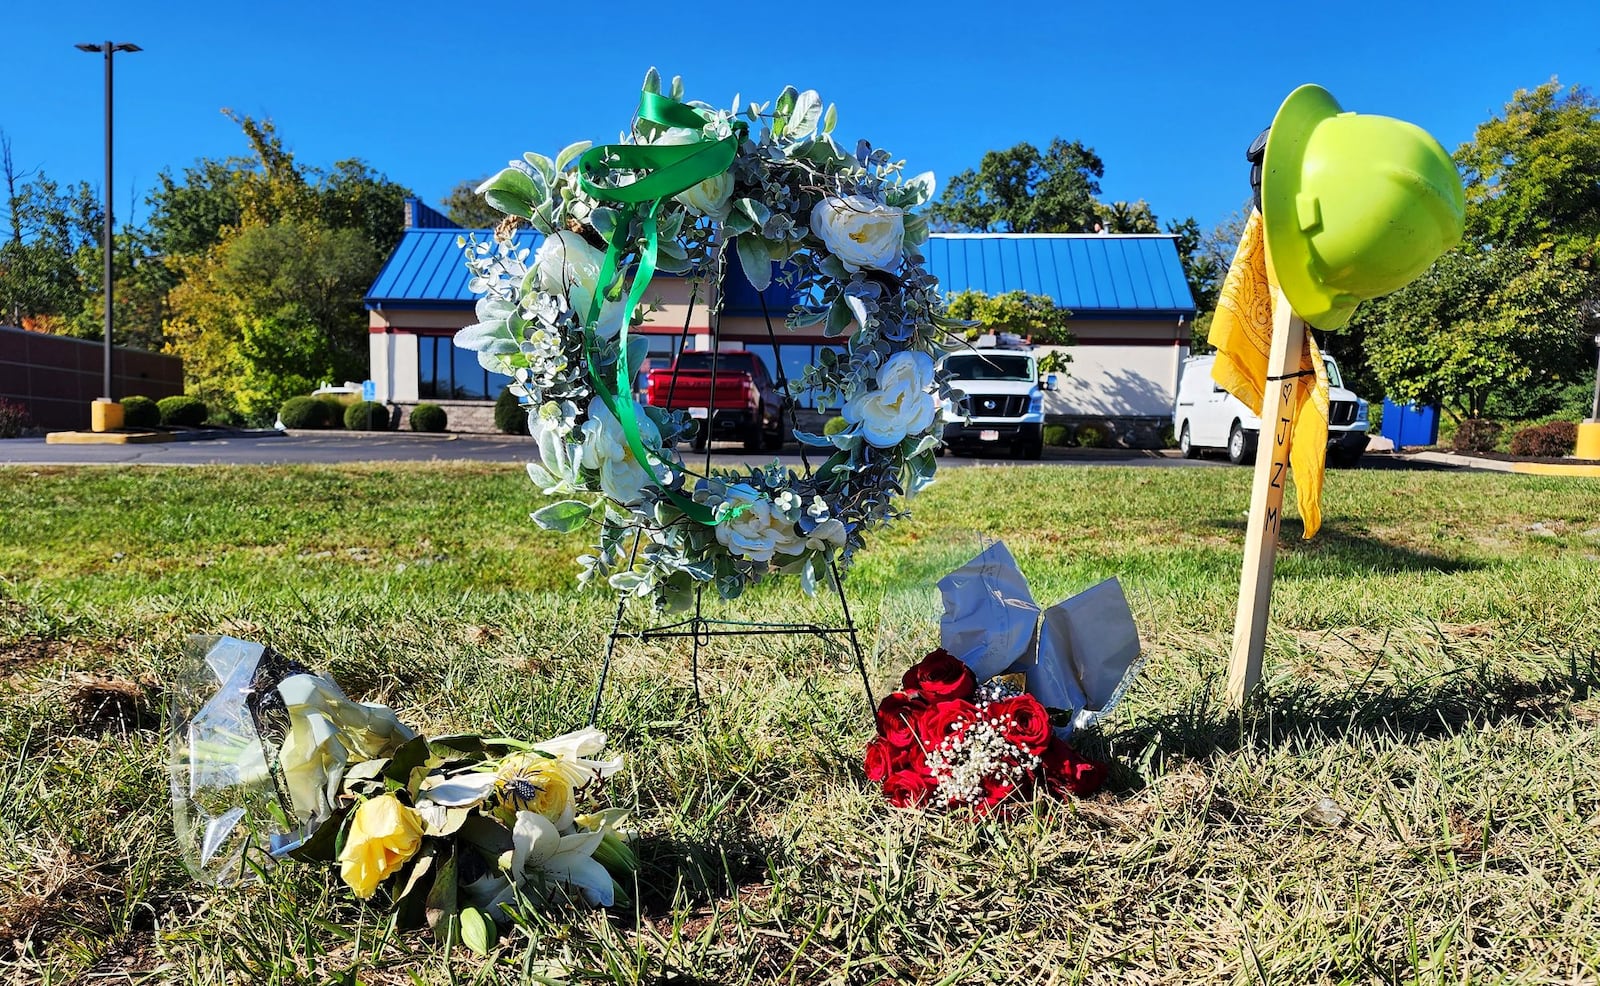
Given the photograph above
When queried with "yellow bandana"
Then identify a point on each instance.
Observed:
(1241, 330)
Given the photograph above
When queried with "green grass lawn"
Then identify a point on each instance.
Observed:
(1414, 798)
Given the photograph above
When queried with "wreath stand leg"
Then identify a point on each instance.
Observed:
(699, 630)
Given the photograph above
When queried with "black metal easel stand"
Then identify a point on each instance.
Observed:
(698, 628)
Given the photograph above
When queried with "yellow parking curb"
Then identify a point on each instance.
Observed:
(106, 437)
(1591, 470)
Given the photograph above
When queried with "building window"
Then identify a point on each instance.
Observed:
(795, 357)
(445, 372)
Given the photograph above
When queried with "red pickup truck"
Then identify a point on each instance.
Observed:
(747, 405)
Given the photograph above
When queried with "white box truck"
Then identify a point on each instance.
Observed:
(1208, 417)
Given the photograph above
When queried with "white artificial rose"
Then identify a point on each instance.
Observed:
(903, 403)
(326, 732)
(860, 232)
(568, 267)
(605, 448)
(761, 529)
(709, 197)
(828, 534)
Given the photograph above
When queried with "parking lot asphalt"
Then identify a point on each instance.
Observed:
(259, 449)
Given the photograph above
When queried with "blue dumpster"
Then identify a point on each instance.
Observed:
(1410, 424)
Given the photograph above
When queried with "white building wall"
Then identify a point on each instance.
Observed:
(1111, 380)
(393, 359)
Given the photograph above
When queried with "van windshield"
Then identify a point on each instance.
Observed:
(989, 366)
(1334, 380)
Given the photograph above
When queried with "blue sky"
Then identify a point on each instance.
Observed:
(1169, 94)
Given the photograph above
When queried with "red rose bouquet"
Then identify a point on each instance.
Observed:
(945, 740)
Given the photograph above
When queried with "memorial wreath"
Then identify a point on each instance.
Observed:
(691, 189)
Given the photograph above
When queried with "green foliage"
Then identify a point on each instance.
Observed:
(509, 416)
(1035, 316)
(1546, 441)
(366, 416)
(1021, 190)
(304, 412)
(834, 426)
(182, 411)
(14, 418)
(1532, 175)
(1478, 324)
(1126, 217)
(140, 412)
(1090, 436)
(428, 417)
(467, 209)
(1058, 435)
(1476, 435)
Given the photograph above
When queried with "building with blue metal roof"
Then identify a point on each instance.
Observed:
(1130, 303)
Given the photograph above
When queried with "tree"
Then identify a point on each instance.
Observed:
(269, 302)
(1126, 217)
(1035, 316)
(270, 312)
(466, 208)
(50, 259)
(1504, 321)
(1479, 325)
(1021, 190)
(1532, 176)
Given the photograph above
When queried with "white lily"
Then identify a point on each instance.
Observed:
(542, 854)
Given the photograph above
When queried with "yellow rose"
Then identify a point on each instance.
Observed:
(383, 834)
(540, 784)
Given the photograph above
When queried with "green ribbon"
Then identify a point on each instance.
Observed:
(663, 171)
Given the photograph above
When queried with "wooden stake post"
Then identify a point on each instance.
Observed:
(1266, 500)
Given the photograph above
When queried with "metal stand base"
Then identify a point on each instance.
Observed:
(700, 630)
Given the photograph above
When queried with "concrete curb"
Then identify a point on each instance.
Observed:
(1581, 469)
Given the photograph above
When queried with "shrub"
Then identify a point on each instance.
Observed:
(509, 416)
(1091, 437)
(14, 418)
(1060, 435)
(366, 416)
(182, 411)
(304, 412)
(1477, 435)
(428, 417)
(1549, 441)
(140, 412)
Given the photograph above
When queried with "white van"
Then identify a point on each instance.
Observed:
(1208, 417)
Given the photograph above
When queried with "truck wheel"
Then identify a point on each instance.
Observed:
(1028, 448)
(1240, 448)
(1186, 444)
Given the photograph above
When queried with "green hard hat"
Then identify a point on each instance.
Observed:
(1355, 206)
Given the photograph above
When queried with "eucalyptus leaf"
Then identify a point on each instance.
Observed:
(513, 192)
(858, 308)
(570, 154)
(545, 167)
(830, 119)
(604, 219)
(756, 260)
(807, 111)
(838, 318)
(802, 317)
(563, 517)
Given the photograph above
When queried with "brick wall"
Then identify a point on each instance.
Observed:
(58, 377)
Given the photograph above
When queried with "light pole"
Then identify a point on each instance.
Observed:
(1594, 412)
(109, 49)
